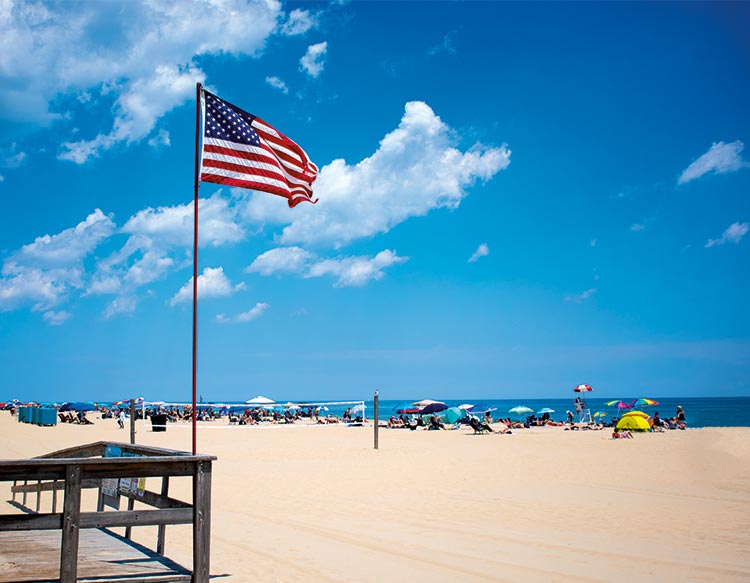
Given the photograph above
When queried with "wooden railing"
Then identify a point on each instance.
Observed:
(74, 469)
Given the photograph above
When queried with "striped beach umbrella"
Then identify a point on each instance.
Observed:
(583, 388)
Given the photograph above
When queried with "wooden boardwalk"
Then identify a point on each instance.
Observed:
(103, 556)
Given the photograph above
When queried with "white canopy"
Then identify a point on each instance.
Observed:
(260, 400)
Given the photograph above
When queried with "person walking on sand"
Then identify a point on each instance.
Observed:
(121, 419)
(680, 414)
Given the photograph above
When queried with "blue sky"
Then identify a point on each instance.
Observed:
(514, 199)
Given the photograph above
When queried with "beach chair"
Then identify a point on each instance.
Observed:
(478, 426)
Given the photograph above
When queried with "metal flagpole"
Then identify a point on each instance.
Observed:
(195, 256)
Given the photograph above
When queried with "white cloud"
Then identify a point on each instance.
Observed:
(160, 139)
(212, 283)
(482, 251)
(43, 272)
(356, 271)
(733, 234)
(11, 157)
(593, 242)
(416, 169)
(277, 83)
(349, 271)
(635, 227)
(2, 177)
(313, 61)
(445, 46)
(719, 159)
(581, 297)
(252, 314)
(281, 260)
(56, 318)
(71, 245)
(121, 306)
(299, 22)
(146, 56)
(173, 226)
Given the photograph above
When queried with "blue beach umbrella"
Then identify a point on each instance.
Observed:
(78, 406)
(545, 410)
(433, 408)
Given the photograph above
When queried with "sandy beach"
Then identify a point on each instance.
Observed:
(318, 503)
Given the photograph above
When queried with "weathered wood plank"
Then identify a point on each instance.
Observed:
(103, 557)
(70, 526)
(136, 518)
(162, 531)
(202, 522)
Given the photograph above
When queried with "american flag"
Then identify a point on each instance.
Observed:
(240, 149)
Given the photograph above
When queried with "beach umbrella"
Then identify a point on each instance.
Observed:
(481, 408)
(406, 408)
(434, 407)
(520, 410)
(600, 414)
(260, 400)
(545, 410)
(465, 406)
(643, 402)
(620, 404)
(425, 402)
(583, 389)
(78, 406)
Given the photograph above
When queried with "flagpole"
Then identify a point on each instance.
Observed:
(195, 258)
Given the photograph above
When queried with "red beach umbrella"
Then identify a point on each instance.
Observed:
(583, 389)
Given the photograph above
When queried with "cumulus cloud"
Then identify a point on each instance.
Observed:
(314, 60)
(281, 260)
(43, 272)
(482, 251)
(720, 159)
(145, 59)
(299, 22)
(212, 283)
(581, 297)
(416, 169)
(277, 83)
(160, 139)
(174, 225)
(732, 234)
(348, 271)
(252, 314)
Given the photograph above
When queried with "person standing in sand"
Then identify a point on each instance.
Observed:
(680, 414)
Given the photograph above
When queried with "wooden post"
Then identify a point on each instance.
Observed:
(23, 498)
(38, 494)
(70, 530)
(54, 498)
(14, 490)
(201, 522)
(132, 421)
(162, 527)
(375, 414)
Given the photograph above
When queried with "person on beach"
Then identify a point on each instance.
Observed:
(121, 419)
(622, 434)
(680, 415)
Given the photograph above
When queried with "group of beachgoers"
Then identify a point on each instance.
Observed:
(434, 422)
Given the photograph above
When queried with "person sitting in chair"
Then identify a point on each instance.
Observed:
(435, 423)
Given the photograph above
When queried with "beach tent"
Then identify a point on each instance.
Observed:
(633, 422)
(453, 414)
